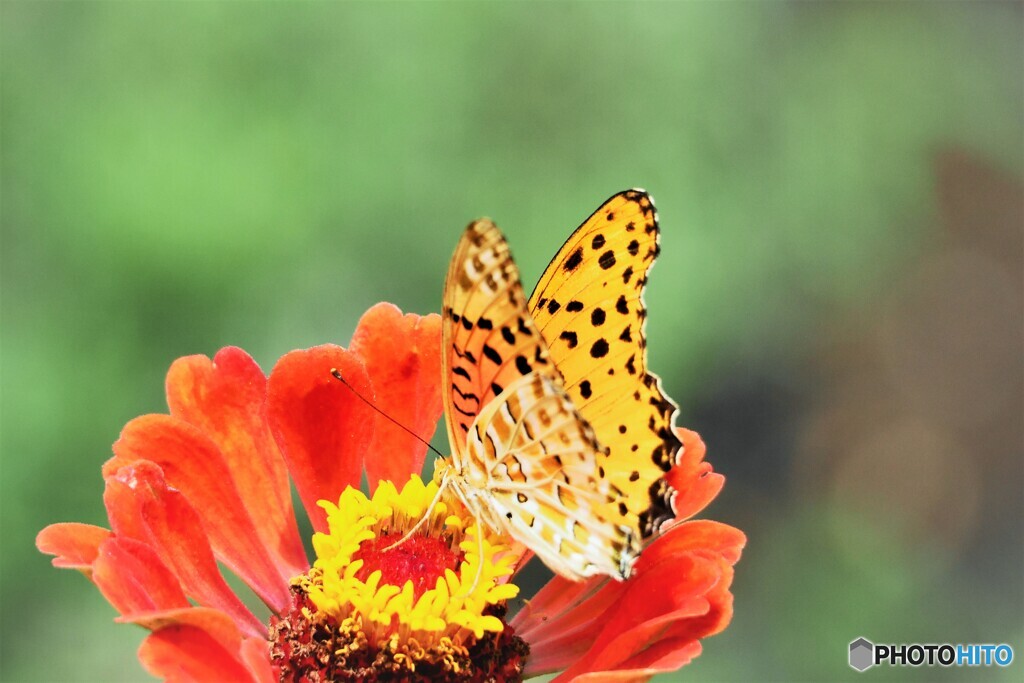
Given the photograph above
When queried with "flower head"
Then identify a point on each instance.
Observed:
(404, 586)
(382, 598)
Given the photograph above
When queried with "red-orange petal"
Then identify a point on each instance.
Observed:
(194, 465)
(255, 652)
(564, 610)
(667, 654)
(402, 356)
(697, 535)
(225, 399)
(693, 478)
(719, 613)
(219, 625)
(612, 677)
(679, 593)
(194, 645)
(646, 609)
(75, 545)
(321, 426)
(140, 505)
(620, 620)
(132, 578)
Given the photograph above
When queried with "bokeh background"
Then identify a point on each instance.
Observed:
(838, 307)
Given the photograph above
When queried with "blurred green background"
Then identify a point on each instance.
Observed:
(838, 306)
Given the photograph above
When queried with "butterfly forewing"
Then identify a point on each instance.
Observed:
(488, 335)
(503, 390)
(589, 306)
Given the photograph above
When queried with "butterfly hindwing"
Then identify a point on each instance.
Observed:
(589, 306)
(548, 479)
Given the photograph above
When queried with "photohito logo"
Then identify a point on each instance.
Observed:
(864, 654)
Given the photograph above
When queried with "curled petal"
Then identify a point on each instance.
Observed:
(698, 535)
(224, 398)
(693, 479)
(321, 426)
(141, 506)
(402, 356)
(718, 615)
(75, 545)
(194, 645)
(194, 465)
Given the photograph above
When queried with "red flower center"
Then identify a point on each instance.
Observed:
(420, 559)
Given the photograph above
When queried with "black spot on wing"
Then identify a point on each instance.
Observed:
(621, 306)
(607, 259)
(523, 365)
(553, 306)
(570, 338)
(599, 349)
(508, 335)
(585, 390)
(597, 317)
(597, 242)
(574, 306)
(492, 355)
(633, 248)
(574, 260)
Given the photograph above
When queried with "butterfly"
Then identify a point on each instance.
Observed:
(560, 437)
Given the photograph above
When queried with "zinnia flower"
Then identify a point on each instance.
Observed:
(399, 590)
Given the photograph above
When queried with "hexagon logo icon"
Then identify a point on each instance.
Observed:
(862, 654)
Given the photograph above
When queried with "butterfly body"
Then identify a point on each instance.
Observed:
(529, 457)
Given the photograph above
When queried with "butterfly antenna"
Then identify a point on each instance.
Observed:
(338, 376)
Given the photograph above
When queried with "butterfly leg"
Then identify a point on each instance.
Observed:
(424, 518)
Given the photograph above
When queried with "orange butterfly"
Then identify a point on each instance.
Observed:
(559, 436)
